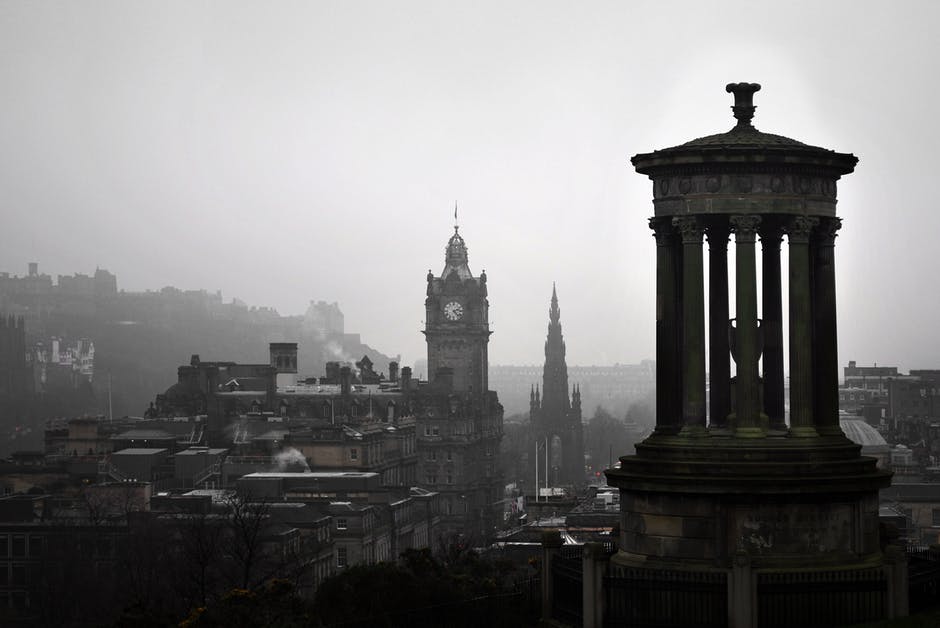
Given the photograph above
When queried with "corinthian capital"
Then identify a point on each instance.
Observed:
(826, 233)
(662, 230)
(690, 227)
(745, 227)
(800, 228)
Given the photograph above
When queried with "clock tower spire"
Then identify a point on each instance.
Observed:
(457, 322)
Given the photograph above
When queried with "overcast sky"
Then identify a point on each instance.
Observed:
(283, 152)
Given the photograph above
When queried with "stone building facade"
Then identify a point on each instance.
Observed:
(441, 435)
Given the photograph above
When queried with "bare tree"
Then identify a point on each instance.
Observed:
(200, 550)
(246, 521)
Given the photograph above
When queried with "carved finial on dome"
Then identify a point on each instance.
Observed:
(743, 107)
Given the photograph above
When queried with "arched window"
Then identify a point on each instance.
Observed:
(390, 411)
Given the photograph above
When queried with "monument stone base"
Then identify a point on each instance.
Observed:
(768, 532)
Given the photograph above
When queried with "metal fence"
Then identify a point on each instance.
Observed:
(567, 596)
(821, 598)
(665, 598)
(516, 608)
(923, 572)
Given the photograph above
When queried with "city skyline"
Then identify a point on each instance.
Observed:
(315, 153)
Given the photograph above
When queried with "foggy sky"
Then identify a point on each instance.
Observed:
(283, 152)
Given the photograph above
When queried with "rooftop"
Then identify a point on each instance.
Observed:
(139, 451)
(197, 451)
(143, 434)
(861, 433)
(333, 390)
(312, 474)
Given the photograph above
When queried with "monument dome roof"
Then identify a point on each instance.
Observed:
(744, 143)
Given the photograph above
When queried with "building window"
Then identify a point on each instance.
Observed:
(432, 456)
(4, 546)
(450, 456)
(435, 431)
(936, 517)
(341, 557)
(18, 571)
(19, 546)
(35, 546)
(427, 430)
(353, 454)
(450, 478)
(341, 524)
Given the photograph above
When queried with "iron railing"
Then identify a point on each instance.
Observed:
(666, 598)
(567, 597)
(821, 598)
(923, 573)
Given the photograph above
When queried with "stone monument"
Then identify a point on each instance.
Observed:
(774, 517)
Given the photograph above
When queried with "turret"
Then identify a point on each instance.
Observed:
(284, 361)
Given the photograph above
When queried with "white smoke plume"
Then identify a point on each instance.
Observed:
(291, 459)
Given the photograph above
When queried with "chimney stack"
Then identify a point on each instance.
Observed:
(393, 372)
(345, 380)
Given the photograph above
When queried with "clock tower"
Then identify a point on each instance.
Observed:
(457, 326)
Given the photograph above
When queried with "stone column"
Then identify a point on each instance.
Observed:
(719, 365)
(801, 333)
(693, 326)
(747, 394)
(896, 572)
(741, 594)
(772, 326)
(825, 342)
(668, 410)
(593, 569)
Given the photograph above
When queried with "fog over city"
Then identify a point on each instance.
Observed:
(282, 152)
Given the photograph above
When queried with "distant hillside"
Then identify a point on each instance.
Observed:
(141, 338)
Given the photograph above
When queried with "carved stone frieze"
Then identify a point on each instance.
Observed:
(756, 183)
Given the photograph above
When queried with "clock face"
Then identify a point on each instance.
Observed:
(453, 311)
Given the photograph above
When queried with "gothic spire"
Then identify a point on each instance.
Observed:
(554, 313)
(555, 375)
